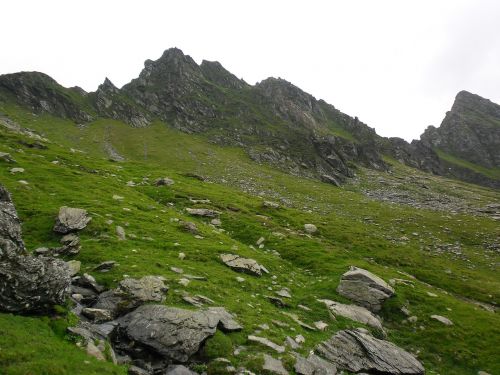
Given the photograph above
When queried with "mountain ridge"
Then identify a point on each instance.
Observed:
(274, 121)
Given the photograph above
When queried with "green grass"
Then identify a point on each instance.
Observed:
(309, 266)
(493, 173)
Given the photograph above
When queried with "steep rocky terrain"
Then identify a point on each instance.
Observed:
(165, 228)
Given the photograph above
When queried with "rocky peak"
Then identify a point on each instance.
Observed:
(216, 73)
(171, 66)
(470, 131)
(108, 86)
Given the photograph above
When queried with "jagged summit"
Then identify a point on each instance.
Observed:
(275, 121)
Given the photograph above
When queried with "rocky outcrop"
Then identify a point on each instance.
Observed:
(27, 284)
(357, 351)
(364, 288)
(42, 94)
(313, 365)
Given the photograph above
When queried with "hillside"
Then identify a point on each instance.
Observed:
(265, 161)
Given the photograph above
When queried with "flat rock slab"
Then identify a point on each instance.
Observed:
(313, 365)
(357, 351)
(353, 312)
(442, 319)
(364, 288)
(273, 365)
(240, 264)
(71, 219)
(267, 342)
(203, 212)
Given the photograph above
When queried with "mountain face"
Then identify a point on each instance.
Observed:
(274, 121)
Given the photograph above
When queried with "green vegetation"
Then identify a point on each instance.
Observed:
(489, 172)
(73, 170)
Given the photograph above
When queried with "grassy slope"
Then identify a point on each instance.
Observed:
(493, 173)
(310, 267)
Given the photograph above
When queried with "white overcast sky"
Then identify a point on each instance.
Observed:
(395, 64)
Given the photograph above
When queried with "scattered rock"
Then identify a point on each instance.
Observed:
(277, 301)
(274, 366)
(165, 181)
(353, 312)
(16, 170)
(320, 325)
(284, 293)
(357, 351)
(310, 228)
(71, 219)
(266, 342)
(179, 370)
(120, 232)
(105, 266)
(269, 204)
(442, 319)
(189, 227)
(203, 212)
(364, 288)
(216, 222)
(239, 264)
(97, 315)
(313, 365)
(94, 351)
(6, 157)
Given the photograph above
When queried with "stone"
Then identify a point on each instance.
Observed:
(74, 267)
(182, 256)
(277, 301)
(97, 315)
(269, 204)
(169, 332)
(274, 366)
(88, 281)
(313, 365)
(120, 232)
(291, 343)
(357, 351)
(260, 241)
(189, 227)
(70, 245)
(353, 312)
(227, 322)
(134, 370)
(239, 264)
(16, 170)
(179, 370)
(117, 197)
(27, 284)
(310, 228)
(71, 219)
(267, 342)
(320, 325)
(203, 212)
(5, 156)
(94, 351)
(364, 288)
(164, 181)
(284, 293)
(105, 266)
(216, 222)
(442, 319)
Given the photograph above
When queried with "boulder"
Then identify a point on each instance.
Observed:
(203, 212)
(267, 342)
(313, 365)
(364, 288)
(273, 365)
(357, 351)
(168, 332)
(165, 181)
(310, 228)
(27, 284)
(240, 264)
(442, 319)
(179, 370)
(71, 219)
(353, 312)
(131, 293)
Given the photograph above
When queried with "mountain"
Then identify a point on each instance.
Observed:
(274, 121)
(190, 223)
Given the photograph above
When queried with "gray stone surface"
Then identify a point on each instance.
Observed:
(71, 219)
(353, 312)
(313, 365)
(364, 288)
(27, 284)
(273, 365)
(240, 264)
(356, 351)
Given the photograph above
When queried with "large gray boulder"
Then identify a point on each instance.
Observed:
(364, 288)
(313, 365)
(170, 333)
(27, 284)
(357, 351)
(71, 219)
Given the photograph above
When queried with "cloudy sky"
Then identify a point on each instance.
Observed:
(397, 65)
